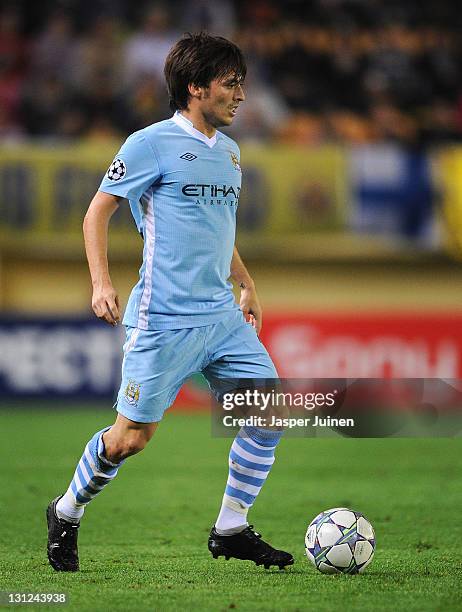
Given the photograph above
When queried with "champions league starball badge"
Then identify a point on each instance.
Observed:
(117, 170)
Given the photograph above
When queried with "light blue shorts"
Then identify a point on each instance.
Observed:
(156, 363)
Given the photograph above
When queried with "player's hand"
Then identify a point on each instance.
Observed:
(105, 304)
(250, 306)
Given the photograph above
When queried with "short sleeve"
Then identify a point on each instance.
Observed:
(133, 170)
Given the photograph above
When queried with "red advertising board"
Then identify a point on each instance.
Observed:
(411, 345)
(314, 345)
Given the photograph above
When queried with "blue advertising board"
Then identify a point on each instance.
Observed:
(66, 358)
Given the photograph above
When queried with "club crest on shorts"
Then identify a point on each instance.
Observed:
(117, 170)
(132, 392)
(235, 160)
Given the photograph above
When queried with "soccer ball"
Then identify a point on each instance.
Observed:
(340, 540)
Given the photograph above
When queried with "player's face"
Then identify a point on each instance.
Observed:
(221, 101)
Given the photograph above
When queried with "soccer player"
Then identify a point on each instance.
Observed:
(182, 179)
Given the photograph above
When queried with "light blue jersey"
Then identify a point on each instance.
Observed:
(183, 189)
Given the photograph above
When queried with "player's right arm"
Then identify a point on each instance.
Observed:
(133, 170)
(105, 301)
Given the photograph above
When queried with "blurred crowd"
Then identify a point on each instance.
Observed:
(354, 71)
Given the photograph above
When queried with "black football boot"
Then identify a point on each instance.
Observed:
(248, 544)
(62, 541)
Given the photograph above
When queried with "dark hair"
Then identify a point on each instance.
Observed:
(199, 59)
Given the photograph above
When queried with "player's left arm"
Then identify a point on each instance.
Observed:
(249, 302)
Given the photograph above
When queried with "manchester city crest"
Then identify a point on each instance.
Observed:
(132, 392)
(235, 160)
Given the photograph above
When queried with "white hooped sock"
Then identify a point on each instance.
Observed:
(92, 474)
(73, 512)
(231, 521)
(250, 461)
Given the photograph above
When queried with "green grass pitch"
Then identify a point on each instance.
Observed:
(143, 542)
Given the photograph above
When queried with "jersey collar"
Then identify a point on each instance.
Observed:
(188, 127)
